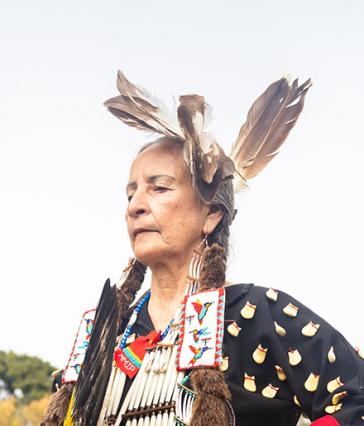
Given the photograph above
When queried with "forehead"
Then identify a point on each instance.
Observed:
(159, 159)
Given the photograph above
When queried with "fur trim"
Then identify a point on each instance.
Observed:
(210, 406)
(213, 267)
(58, 406)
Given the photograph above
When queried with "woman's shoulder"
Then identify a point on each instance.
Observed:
(236, 292)
(258, 293)
(276, 303)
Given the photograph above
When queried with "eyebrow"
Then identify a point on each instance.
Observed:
(151, 179)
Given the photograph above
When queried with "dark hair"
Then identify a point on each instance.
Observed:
(223, 200)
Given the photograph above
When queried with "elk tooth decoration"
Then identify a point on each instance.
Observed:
(272, 294)
(248, 310)
(338, 397)
(280, 373)
(185, 398)
(290, 310)
(310, 329)
(294, 357)
(333, 408)
(331, 355)
(225, 364)
(334, 384)
(296, 401)
(249, 383)
(259, 354)
(279, 329)
(234, 329)
(270, 391)
(312, 382)
(360, 352)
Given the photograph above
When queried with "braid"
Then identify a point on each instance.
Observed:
(221, 234)
(211, 406)
(126, 293)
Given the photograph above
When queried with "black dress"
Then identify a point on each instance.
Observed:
(301, 388)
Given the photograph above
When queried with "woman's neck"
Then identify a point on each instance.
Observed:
(168, 287)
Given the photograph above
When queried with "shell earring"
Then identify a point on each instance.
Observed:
(203, 243)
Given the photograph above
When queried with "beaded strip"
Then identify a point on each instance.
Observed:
(133, 318)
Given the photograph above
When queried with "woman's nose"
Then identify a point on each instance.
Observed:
(137, 205)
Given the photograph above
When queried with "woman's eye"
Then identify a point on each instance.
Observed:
(160, 189)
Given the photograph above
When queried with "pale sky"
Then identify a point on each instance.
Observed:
(64, 159)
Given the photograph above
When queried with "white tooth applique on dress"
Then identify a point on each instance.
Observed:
(248, 310)
(233, 329)
(310, 329)
(259, 354)
(272, 294)
(290, 310)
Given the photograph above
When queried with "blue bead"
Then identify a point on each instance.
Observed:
(129, 327)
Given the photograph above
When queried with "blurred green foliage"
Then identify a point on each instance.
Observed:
(26, 377)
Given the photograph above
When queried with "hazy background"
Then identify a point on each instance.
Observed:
(64, 159)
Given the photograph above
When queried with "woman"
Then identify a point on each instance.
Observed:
(228, 354)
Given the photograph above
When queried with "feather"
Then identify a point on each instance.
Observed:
(138, 108)
(91, 384)
(206, 160)
(269, 121)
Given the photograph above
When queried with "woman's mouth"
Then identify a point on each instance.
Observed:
(140, 231)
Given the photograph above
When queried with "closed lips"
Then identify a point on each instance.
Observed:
(141, 230)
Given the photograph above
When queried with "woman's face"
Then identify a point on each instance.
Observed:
(165, 216)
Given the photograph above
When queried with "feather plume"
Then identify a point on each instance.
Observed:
(112, 310)
(138, 108)
(206, 160)
(269, 121)
(91, 384)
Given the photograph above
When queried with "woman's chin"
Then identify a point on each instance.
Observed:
(148, 254)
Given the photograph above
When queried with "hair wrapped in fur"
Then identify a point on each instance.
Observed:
(212, 393)
(58, 406)
(211, 406)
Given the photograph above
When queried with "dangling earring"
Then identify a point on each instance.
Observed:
(203, 242)
(195, 266)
